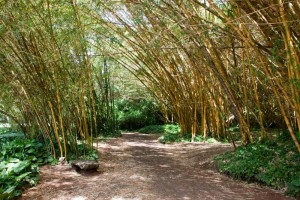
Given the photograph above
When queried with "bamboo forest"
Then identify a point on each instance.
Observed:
(149, 99)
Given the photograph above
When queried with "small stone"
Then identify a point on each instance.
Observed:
(86, 165)
(62, 160)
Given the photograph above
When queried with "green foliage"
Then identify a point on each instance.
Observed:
(171, 133)
(275, 164)
(4, 130)
(83, 153)
(7, 134)
(19, 166)
(137, 113)
(160, 129)
(198, 138)
(155, 129)
(80, 99)
(21, 159)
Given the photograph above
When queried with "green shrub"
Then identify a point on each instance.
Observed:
(137, 113)
(171, 133)
(153, 129)
(274, 163)
(170, 137)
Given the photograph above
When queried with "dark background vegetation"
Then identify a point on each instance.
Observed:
(134, 114)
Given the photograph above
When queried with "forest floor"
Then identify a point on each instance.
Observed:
(138, 167)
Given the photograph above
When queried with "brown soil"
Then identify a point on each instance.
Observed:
(136, 167)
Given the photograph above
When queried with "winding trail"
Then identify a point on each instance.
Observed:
(136, 166)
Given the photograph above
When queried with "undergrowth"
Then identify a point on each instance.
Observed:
(171, 133)
(21, 159)
(160, 129)
(133, 114)
(275, 164)
(19, 166)
(4, 130)
(83, 153)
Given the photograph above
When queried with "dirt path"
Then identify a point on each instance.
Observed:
(136, 167)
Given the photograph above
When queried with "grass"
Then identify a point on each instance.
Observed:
(272, 163)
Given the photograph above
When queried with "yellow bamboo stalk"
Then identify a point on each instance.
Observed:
(84, 123)
(55, 129)
(60, 118)
(260, 113)
(245, 90)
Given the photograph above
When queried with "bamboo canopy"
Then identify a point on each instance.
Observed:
(211, 61)
(207, 63)
(56, 92)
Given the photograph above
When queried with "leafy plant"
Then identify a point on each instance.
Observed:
(20, 161)
(275, 164)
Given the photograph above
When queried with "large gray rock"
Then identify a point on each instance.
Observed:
(86, 165)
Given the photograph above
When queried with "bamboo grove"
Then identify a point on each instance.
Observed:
(207, 62)
(49, 84)
(211, 61)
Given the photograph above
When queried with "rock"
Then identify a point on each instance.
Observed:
(86, 165)
(62, 160)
